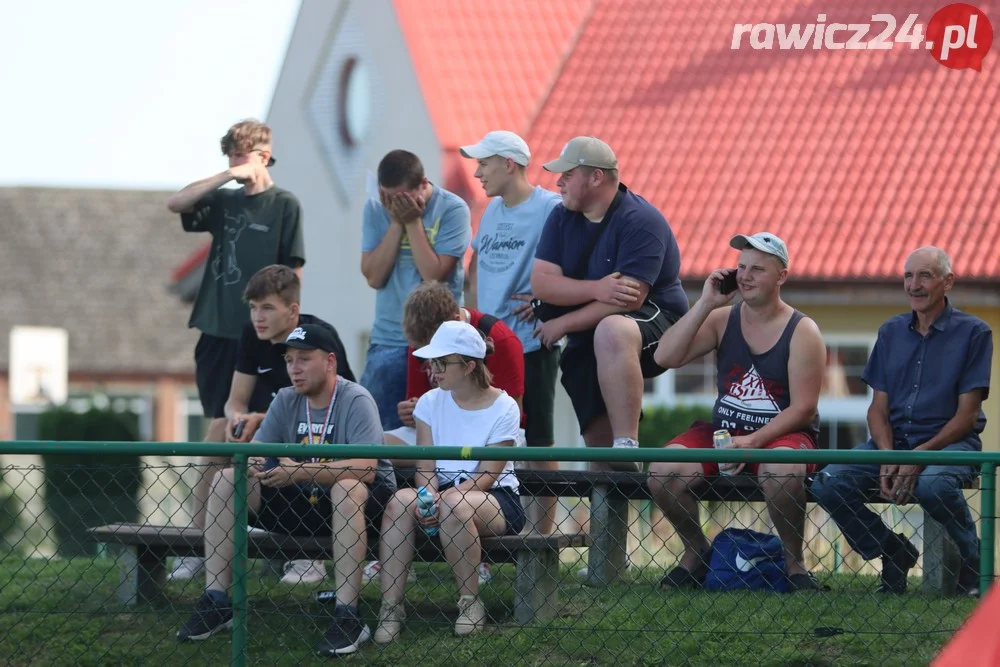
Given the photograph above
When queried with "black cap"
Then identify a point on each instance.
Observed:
(310, 337)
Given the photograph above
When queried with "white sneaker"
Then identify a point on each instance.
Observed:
(484, 574)
(372, 570)
(625, 444)
(390, 622)
(471, 615)
(304, 572)
(187, 568)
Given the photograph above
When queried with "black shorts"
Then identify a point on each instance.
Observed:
(289, 510)
(510, 506)
(540, 370)
(579, 365)
(214, 364)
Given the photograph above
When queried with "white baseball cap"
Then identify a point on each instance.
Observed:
(454, 337)
(502, 143)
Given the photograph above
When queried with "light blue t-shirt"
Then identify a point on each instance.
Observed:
(505, 245)
(448, 228)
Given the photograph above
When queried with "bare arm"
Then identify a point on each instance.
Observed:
(700, 330)
(329, 473)
(550, 285)
(693, 336)
(188, 197)
(377, 265)
(487, 472)
(958, 426)
(878, 421)
(425, 475)
(240, 393)
(588, 317)
(430, 264)
(806, 366)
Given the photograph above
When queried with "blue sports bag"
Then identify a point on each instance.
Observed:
(746, 560)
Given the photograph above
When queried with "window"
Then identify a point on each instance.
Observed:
(845, 362)
(842, 433)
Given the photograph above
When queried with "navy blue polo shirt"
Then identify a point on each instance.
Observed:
(925, 375)
(638, 242)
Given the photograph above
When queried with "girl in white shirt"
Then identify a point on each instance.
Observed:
(474, 498)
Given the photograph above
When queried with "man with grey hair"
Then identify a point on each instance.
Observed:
(605, 274)
(930, 372)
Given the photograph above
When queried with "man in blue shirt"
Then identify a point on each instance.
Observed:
(611, 257)
(930, 372)
(500, 276)
(418, 231)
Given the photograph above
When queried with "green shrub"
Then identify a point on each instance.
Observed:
(662, 423)
(85, 490)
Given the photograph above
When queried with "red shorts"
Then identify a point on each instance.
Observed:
(699, 436)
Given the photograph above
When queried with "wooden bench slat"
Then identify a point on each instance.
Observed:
(189, 541)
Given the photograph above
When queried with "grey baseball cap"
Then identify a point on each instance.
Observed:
(763, 241)
(583, 152)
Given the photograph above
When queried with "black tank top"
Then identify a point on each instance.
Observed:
(753, 388)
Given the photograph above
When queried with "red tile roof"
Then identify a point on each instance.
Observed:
(853, 157)
(487, 65)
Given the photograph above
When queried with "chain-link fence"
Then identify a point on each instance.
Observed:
(102, 564)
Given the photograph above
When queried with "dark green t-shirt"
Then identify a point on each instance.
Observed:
(248, 233)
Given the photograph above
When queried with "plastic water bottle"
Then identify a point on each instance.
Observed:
(427, 507)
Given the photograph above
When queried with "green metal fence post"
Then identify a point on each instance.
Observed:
(240, 562)
(988, 485)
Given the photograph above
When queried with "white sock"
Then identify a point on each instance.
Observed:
(628, 443)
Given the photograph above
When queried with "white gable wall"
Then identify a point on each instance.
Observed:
(314, 163)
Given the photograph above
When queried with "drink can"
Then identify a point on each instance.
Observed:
(722, 439)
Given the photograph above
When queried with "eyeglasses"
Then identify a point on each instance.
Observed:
(440, 366)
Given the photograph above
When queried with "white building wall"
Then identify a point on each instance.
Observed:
(327, 174)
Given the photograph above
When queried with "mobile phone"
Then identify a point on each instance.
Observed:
(238, 429)
(728, 284)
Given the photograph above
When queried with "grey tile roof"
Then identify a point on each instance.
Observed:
(98, 263)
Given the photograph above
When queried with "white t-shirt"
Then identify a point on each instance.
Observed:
(456, 427)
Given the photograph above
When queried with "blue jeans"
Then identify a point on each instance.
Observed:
(385, 380)
(841, 489)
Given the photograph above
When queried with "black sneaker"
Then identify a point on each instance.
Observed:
(681, 577)
(211, 615)
(346, 634)
(968, 579)
(900, 555)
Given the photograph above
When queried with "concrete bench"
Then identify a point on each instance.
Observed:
(146, 548)
(610, 493)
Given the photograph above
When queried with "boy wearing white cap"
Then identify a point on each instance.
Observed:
(770, 365)
(472, 498)
(500, 279)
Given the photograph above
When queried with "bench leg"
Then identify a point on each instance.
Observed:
(143, 575)
(536, 593)
(941, 559)
(607, 557)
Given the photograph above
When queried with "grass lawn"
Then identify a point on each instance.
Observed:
(65, 613)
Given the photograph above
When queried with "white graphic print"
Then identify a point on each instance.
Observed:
(751, 394)
(225, 266)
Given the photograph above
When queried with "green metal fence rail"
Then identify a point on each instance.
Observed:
(985, 461)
